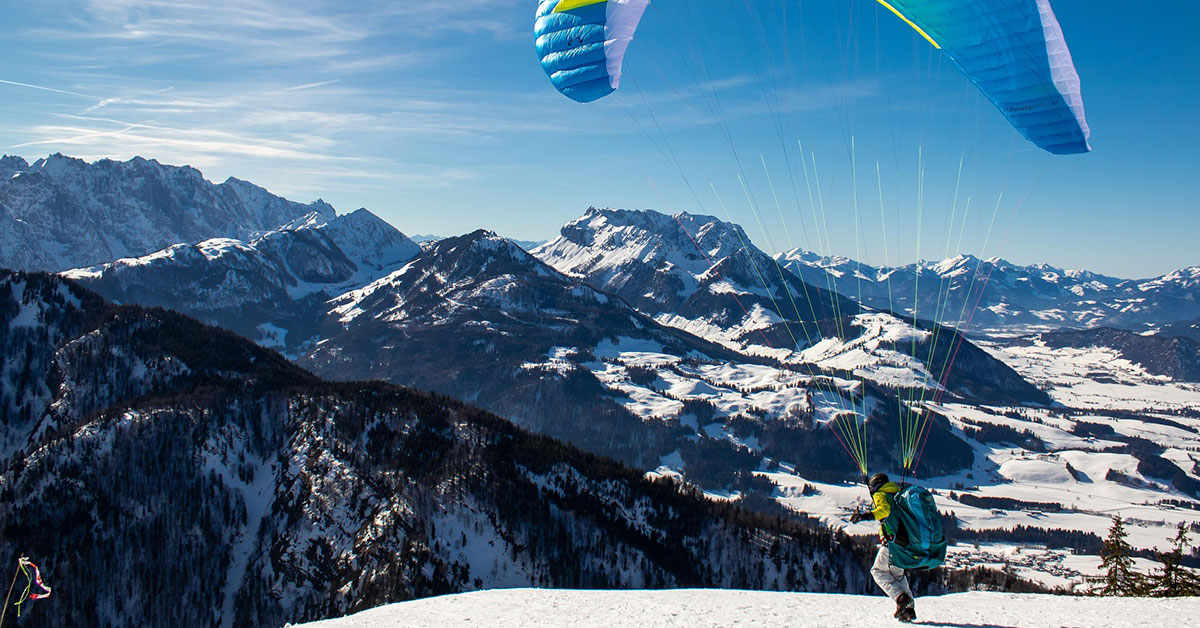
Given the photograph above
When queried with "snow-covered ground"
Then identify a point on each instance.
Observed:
(1095, 377)
(870, 356)
(696, 608)
(729, 388)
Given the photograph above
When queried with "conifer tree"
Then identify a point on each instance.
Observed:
(1117, 562)
(1173, 579)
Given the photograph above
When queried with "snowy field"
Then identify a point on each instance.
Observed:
(694, 608)
(1096, 378)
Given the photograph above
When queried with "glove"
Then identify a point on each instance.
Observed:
(860, 516)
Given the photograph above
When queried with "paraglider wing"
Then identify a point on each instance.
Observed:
(1015, 52)
(1012, 49)
(582, 43)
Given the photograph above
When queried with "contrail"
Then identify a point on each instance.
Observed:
(47, 89)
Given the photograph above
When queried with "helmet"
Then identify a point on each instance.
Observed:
(877, 481)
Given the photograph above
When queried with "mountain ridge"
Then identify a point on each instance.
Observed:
(995, 295)
(59, 212)
(266, 289)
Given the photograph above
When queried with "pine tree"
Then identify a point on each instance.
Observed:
(1117, 562)
(1173, 579)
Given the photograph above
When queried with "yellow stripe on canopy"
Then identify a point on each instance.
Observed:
(898, 14)
(568, 5)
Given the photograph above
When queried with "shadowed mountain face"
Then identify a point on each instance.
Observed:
(140, 440)
(59, 213)
(1189, 329)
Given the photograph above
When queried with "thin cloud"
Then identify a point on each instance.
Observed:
(47, 89)
(327, 36)
(139, 138)
(310, 85)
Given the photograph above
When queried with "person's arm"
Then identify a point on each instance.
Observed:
(881, 510)
(883, 507)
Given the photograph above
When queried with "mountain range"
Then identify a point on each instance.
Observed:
(996, 296)
(563, 356)
(139, 441)
(669, 343)
(268, 289)
(60, 213)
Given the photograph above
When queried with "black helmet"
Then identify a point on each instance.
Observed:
(877, 481)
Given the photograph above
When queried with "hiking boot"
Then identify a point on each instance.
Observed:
(905, 608)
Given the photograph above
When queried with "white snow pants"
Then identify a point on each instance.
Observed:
(889, 577)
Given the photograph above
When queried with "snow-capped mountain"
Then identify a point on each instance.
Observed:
(703, 275)
(429, 239)
(270, 289)
(996, 295)
(59, 213)
(673, 344)
(141, 441)
(479, 318)
(696, 273)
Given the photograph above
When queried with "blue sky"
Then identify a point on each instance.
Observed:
(438, 118)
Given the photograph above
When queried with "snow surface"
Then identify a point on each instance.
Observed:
(731, 388)
(707, 607)
(870, 356)
(1096, 377)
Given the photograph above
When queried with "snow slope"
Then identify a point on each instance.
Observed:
(706, 607)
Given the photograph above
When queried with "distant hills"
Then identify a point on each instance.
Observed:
(994, 295)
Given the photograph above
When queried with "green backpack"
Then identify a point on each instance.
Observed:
(916, 514)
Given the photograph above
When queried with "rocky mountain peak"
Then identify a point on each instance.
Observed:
(652, 232)
(11, 165)
(482, 247)
(63, 212)
(368, 239)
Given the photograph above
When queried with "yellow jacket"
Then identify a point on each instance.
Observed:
(883, 499)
